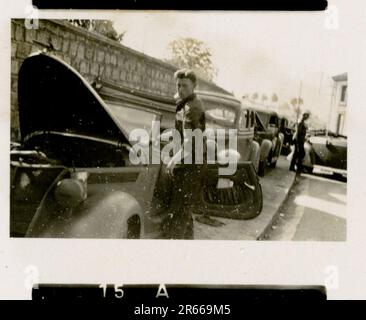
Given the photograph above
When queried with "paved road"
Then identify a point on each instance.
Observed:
(315, 210)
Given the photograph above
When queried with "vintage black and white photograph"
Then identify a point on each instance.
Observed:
(126, 134)
(178, 125)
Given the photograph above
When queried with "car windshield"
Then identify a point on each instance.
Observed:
(221, 113)
(263, 116)
(130, 118)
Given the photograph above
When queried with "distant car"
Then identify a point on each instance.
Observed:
(326, 153)
(267, 134)
(226, 112)
(71, 173)
(288, 132)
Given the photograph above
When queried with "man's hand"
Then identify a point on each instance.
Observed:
(177, 158)
(170, 167)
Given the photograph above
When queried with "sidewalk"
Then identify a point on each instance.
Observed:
(275, 187)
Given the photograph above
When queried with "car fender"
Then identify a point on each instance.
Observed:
(265, 149)
(279, 144)
(255, 155)
(307, 160)
(282, 138)
(103, 215)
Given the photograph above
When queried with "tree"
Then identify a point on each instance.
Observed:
(264, 98)
(192, 54)
(254, 96)
(297, 103)
(285, 108)
(274, 98)
(103, 27)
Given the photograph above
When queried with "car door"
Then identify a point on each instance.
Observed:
(235, 196)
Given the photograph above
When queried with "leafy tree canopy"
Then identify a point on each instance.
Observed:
(103, 27)
(192, 54)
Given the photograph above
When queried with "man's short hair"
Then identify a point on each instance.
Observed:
(185, 73)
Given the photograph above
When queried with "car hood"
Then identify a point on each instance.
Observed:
(53, 96)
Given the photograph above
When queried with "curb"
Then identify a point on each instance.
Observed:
(276, 214)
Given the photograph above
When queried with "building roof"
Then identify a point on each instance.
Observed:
(340, 77)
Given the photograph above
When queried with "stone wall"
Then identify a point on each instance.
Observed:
(92, 55)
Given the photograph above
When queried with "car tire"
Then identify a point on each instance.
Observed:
(307, 169)
(273, 164)
(262, 168)
(270, 163)
(131, 229)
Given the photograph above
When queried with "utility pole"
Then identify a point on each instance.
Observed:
(331, 108)
(298, 105)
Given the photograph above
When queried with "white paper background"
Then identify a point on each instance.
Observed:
(196, 262)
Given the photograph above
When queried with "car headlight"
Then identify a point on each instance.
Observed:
(70, 192)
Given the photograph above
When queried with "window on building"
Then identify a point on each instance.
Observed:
(344, 94)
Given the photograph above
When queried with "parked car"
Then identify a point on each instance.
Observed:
(267, 134)
(226, 112)
(326, 153)
(71, 172)
(288, 131)
(222, 112)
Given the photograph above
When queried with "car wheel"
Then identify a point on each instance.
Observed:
(307, 169)
(262, 168)
(134, 227)
(270, 164)
(131, 229)
(273, 164)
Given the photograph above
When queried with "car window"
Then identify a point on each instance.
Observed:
(252, 119)
(263, 117)
(244, 120)
(273, 121)
(220, 112)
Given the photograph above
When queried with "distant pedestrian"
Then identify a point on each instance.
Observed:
(299, 140)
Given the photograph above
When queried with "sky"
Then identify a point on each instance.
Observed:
(264, 52)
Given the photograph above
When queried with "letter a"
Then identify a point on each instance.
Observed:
(137, 310)
(161, 289)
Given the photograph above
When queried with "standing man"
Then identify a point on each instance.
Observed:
(190, 114)
(187, 180)
(299, 140)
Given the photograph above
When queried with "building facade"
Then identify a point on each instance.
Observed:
(338, 114)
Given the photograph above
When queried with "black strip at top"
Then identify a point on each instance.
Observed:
(282, 5)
